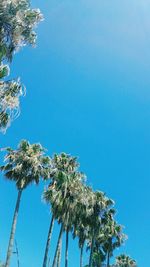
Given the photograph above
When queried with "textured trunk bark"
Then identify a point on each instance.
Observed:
(48, 242)
(91, 254)
(66, 252)
(13, 229)
(59, 254)
(58, 244)
(17, 253)
(81, 256)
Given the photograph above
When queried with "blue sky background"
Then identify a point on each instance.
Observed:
(88, 94)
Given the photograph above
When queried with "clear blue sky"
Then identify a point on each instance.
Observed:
(88, 94)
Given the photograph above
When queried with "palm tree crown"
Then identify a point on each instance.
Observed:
(125, 261)
(26, 164)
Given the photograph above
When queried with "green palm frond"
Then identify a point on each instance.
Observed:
(125, 261)
(27, 164)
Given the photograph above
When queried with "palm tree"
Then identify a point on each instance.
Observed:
(59, 254)
(105, 233)
(48, 241)
(98, 220)
(73, 197)
(59, 241)
(113, 238)
(125, 261)
(25, 165)
(51, 196)
(17, 23)
(81, 233)
(80, 223)
(64, 172)
(109, 236)
(70, 190)
(98, 208)
(67, 244)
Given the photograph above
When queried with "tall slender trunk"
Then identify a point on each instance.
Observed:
(48, 242)
(108, 259)
(58, 244)
(66, 251)
(17, 253)
(13, 229)
(59, 254)
(91, 254)
(81, 255)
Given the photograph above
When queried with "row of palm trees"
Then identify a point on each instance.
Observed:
(81, 212)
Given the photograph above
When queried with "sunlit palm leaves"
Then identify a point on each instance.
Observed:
(85, 214)
(17, 23)
(63, 192)
(125, 261)
(88, 215)
(25, 165)
(10, 92)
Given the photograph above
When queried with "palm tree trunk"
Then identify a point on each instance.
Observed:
(91, 254)
(13, 229)
(108, 259)
(81, 255)
(58, 244)
(17, 254)
(48, 242)
(59, 254)
(66, 252)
